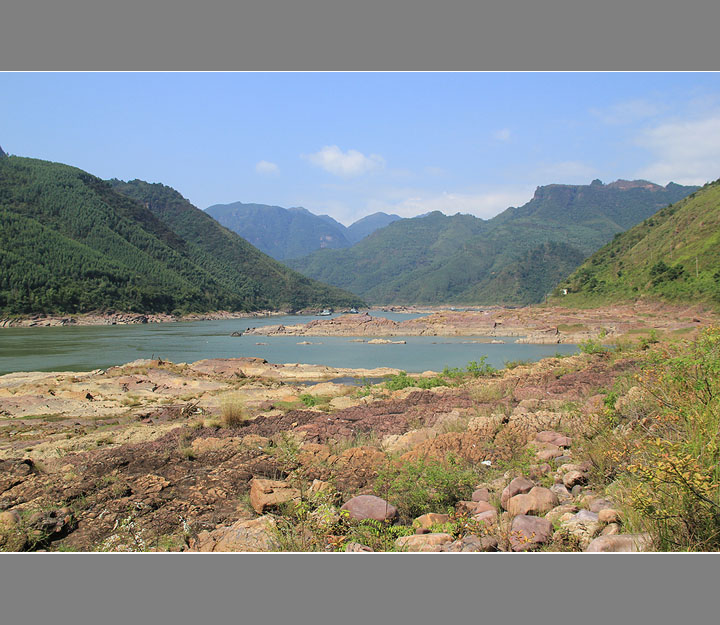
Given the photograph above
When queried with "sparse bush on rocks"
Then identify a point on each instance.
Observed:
(233, 411)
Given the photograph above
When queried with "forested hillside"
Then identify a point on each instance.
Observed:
(673, 255)
(70, 243)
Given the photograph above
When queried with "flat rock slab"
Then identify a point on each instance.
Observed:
(620, 543)
(423, 542)
(252, 535)
(266, 494)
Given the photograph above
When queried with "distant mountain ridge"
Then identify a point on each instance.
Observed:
(70, 243)
(464, 259)
(292, 232)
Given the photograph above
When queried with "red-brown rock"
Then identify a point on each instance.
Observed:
(538, 501)
(620, 542)
(267, 494)
(369, 507)
(528, 532)
(518, 486)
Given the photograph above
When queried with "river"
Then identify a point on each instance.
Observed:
(84, 348)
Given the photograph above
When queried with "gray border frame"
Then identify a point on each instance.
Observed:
(372, 35)
(325, 35)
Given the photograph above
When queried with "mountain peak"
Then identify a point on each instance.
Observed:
(624, 185)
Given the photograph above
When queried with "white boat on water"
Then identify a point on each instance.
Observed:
(325, 313)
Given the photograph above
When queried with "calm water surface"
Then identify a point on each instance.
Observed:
(92, 347)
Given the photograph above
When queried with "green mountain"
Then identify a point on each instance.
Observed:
(70, 243)
(674, 255)
(280, 232)
(514, 258)
(367, 225)
(293, 232)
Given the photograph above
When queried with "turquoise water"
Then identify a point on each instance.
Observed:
(92, 347)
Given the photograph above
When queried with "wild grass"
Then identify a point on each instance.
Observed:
(233, 411)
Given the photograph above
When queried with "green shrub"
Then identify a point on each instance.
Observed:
(591, 346)
(309, 400)
(416, 488)
(402, 380)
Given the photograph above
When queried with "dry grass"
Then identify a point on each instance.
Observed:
(233, 411)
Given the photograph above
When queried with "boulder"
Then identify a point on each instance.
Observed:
(582, 527)
(611, 529)
(528, 532)
(608, 515)
(369, 507)
(252, 535)
(471, 543)
(561, 492)
(536, 471)
(474, 507)
(586, 516)
(267, 494)
(357, 548)
(9, 518)
(489, 517)
(554, 438)
(574, 478)
(538, 501)
(557, 513)
(518, 486)
(621, 542)
(423, 542)
(547, 451)
(481, 494)
(395, 443)
(596, 505)
(426, 521)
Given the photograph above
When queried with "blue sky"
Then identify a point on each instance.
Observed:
(352, 144)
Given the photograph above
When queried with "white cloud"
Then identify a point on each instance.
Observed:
(267, 168)
(627, 112)
(685, 152)
(351, 163)
(502, 135)
(484, 205)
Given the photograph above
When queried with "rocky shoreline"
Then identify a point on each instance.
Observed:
(539, 325)
(103, 319)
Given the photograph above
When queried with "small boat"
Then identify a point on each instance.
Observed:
(325, 313)
(353, 311)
